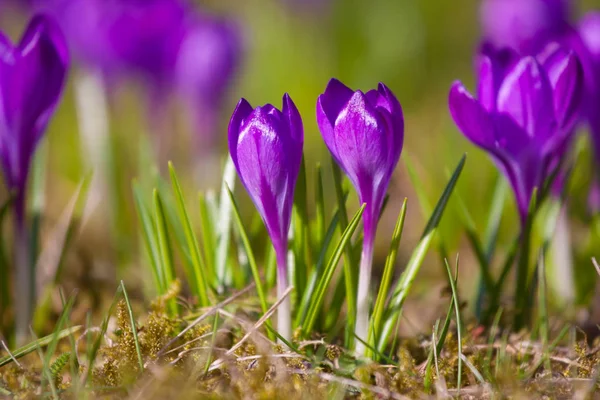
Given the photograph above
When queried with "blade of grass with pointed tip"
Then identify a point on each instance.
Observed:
(317, 300)
(30, 347)
(453, 280)
(250, 254)
(522, 312)
(198, 266)
(350, 273)
(224, 223)
(319, 226)
(300, 226)
(165, 250)
(134, 332)
(316, 273)
(207, 236)
(150, 240)
(386, 279)
(64, 317)
(418, 256)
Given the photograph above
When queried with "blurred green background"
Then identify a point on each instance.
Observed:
(416, 47)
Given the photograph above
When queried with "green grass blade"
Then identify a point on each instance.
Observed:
(456, 301)
(319, 227)
(250, 254)
(150, 240)
(133, 328)
(207, 236)
(522, 311)
(317, 299)
(165, 250)
(316, 273)
(224, 224)
(300, 244)
(418, 256)
(41, 342)
(350, 272)
(198, 267)
(386, 280)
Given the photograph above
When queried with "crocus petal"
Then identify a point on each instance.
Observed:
(242, 111)
(266, 147)
(526, 96)
(329, 105)
(392, 105)
(589, 31)
(470, 117)
(566, 77)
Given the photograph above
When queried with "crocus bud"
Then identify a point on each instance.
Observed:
(527, 130)
(266, 148)
(364, 133)
(523, 25)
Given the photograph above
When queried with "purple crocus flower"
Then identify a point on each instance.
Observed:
(364, 133)
(589, 32)
(266, 148)
(524, 118)
(523, 25)
(32, 77)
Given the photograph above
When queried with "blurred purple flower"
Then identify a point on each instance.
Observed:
(266, 148)
(524, 25)
(524, 116)
(589, 32)
(364, 133)
(32, 77)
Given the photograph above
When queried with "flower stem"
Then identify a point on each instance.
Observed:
(361, 329)
(24, 289)
(284, 311)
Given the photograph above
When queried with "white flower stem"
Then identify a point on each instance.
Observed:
(562, 260)
(361, 329)
(284, 311)
(24, 290)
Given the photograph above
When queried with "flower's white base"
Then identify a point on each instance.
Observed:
(362, 299)
(562, 260)
(284, 311)
(23, 295)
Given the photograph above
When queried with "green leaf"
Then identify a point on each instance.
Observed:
(133, 328)
(207, 236)
(317, 299)
(41, 342)
(350, 272)
(251, 259)
(150, 240)
(319, 227)
(316, 273)
(198, 267)
(456, 301)
(386, 279)
(165, 251)
(416, 260)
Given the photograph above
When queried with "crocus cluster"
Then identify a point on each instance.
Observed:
(364, 133)
(166, 44)
(32, 77)
(523, 115)
(527, 27)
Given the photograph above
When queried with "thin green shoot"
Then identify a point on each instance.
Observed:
(317, 299)
(386, 280)
(224, 224)
(453, 281)
(198, 266)
(251, 259)
(133, 328)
